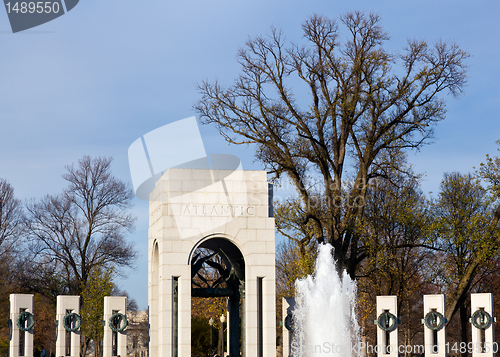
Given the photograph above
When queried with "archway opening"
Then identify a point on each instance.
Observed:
(217, 287)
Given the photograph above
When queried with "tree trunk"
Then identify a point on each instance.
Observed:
(463, 326)
(458, 296)
(408, 328)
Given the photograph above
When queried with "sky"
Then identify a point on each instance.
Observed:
(94, 80)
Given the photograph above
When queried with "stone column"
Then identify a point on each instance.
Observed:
(112, 305)
(482, 325)
(434, 326)
(20, 342)
(229, 326)
(66, 305)
(288, 306)
(387, 322)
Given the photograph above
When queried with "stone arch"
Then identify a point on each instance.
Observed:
(183, 219)
(227, 237)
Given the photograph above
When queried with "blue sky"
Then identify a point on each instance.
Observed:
(94, 80)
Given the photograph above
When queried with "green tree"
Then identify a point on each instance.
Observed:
(463, 212)
(394, 231)
(290, 266)
(316, 109)
(295, 259)
(99, 285)
(200, 336)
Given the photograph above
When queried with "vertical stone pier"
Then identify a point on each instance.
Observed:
(21, 342)
(114, 342)
(483, 322)
(68, 341)
(387, 322)
(434, 326)
(287, 325)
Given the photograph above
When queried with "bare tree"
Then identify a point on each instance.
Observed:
(84, 227)
(364, 106)
(10, 231)
(10, 218)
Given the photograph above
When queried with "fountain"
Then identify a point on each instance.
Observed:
(324, 317)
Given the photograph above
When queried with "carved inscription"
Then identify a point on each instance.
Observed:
(218, 210)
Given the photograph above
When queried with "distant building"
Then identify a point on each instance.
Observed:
(137, 334)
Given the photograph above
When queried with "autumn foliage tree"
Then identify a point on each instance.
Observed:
(467, 212)
(202, 309)
(462, 212)
(364, 105)
(394, 229)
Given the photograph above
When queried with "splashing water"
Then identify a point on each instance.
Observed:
(324, 317)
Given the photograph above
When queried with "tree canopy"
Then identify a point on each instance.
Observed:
(83, 228)
(364, 106)
(10, 218)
